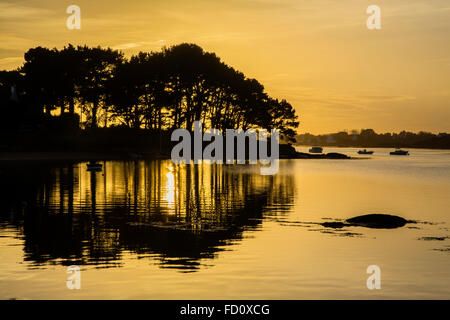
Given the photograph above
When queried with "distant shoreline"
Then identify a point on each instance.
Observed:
(368, 138)
(371, 147)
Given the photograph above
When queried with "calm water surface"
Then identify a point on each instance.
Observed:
(152, 230)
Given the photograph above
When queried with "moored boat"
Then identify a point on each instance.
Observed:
(365, 152)
(399, 152)
(316, 150)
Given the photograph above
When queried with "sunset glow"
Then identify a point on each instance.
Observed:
(319, 55)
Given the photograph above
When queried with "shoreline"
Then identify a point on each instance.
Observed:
(353, 147)
(24, 156)
(48, 156)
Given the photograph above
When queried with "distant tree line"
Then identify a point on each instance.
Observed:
(369, 138)
(150, 91)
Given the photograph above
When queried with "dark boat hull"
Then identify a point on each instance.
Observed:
(396, 153)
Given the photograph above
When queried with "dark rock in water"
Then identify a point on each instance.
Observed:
(379, 221)
(334, 224)
(335, 155)
(302, 155)
(331, 155)
(434, 238)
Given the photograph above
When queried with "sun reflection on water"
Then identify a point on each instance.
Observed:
(169, 197)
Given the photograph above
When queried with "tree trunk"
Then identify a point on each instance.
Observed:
(71, 106)
(63, 107)
(94, 114)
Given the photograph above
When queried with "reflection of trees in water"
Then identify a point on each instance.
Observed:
(178, 214)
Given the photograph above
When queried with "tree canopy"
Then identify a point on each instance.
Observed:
(161, 90)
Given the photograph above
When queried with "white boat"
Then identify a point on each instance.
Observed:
(316, 150)
(399, 152)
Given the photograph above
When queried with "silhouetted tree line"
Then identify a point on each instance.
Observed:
(150, 91)
(369, 138)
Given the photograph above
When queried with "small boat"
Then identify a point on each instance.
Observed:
(92, 166)
(316, 150)
(365, 152)
(399, 152)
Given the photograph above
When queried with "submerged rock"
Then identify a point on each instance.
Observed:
(434, 238)
(335, 155)
(377, 221)
(335, 224)
(382, 221)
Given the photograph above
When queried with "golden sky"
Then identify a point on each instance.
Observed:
(318, 54)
